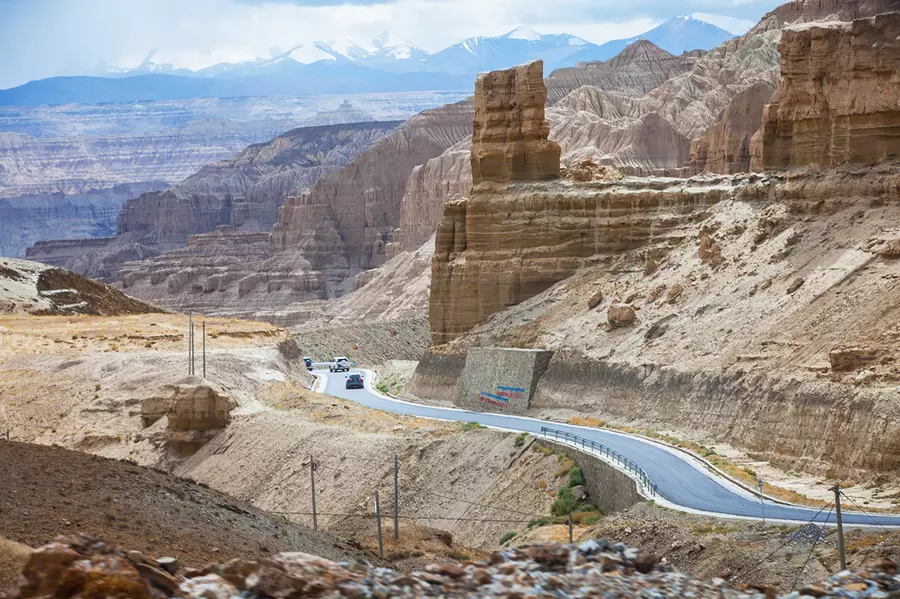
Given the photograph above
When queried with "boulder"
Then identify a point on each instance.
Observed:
(851, 359)
(710, 252)
(196, 410)
(620, 315)
(595, 299)
(795, 285)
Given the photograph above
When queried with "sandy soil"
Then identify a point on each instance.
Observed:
(79, 381)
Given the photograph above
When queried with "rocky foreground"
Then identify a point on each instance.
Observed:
(78, 566)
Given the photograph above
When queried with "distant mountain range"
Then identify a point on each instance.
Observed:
(386, 64)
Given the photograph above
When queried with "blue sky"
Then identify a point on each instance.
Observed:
(43, 38)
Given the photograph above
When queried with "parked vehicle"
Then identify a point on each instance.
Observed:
(355, 381)
(340, 364)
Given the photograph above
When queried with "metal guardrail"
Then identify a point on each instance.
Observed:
(613, 455)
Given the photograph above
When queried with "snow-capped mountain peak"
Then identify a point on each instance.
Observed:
(386, 40)
(343, 48)
(523, 33)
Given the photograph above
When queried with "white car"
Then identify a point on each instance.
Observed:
(339, 364)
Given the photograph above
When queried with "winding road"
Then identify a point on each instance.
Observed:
(682, 482)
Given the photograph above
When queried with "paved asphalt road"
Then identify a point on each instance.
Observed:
(677, 480)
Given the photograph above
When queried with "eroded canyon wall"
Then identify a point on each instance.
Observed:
(838, 95)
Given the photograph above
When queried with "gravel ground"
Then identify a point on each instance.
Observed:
(82, 567)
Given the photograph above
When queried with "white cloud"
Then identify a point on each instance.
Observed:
(42, 38)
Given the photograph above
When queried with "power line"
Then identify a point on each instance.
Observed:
(787, 541)
(402, 517)
(877, 523)
(493, 507)
(809, 555)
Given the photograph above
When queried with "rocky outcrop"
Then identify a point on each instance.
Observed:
(838, 96)
(725, 148)
(509, 138)
(397, 290)
(26, 220)
(195, 411)
(34, 288)
(497, 249)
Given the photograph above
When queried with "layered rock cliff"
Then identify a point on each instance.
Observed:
(25, 220)
(725, 148)
(323, 240)
(246, 190)
(343, 224)
(767, 312)
(243, 191)
(754, 307)
(838, 95)
(76, 164)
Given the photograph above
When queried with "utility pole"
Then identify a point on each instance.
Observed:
(570, 528)
(204, 349)
(312, 479)
(840, 526)
(762, 505)
(193, 351)
(190, 342)
(396, 497)
(378, 523)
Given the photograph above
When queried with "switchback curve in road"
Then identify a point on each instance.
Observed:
(681, 482)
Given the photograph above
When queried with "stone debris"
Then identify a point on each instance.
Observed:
(588, 170)
(82, 567)
(620, 315)
(798, 282)
(810, 533)
(852, 359)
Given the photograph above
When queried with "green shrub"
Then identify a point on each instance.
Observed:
(565, 502)
(592, 518)
(520, 439)
(470, 426)
(383, 386)
(576, 476)
(539, 522)
(507, 537)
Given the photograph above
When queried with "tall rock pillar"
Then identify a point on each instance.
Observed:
(510, 134)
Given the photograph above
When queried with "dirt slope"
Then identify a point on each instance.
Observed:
(49, 491)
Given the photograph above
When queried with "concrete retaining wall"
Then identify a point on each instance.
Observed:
(500, 379)
(436, 376)
(608, 489)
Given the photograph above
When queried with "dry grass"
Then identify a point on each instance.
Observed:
(12, 559)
